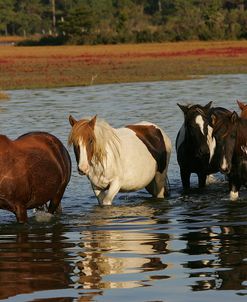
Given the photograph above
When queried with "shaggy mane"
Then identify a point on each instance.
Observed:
(104, 135)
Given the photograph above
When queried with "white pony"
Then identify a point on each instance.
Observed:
(121, 160)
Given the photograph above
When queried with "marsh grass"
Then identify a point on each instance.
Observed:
(33, 67)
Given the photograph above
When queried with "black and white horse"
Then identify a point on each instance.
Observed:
(196, 146)
(230, 132)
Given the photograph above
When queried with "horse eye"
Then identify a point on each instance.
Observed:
(90, 142)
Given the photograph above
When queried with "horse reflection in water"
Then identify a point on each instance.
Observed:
(33, 260)
(218, 247)
(115, 252)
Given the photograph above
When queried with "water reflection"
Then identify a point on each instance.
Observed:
(33, 259)
(119, 247)
(219, 252)
(184, 248)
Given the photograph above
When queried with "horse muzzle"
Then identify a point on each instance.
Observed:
(225, 170)
(80, 172)
(84, 171)
(225, 166)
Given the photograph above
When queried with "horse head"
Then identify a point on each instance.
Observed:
(197, 130)
(83, 138)
(225, 129)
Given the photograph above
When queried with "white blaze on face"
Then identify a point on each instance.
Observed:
(200, 123)
(224, 165)
(83, 164)
(211, 142)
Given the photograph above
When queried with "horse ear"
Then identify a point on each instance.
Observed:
(240, 105)
(207, 107)
(92, 122)
(213, 119)
(183, 108)
(234, 117)
(72, 120)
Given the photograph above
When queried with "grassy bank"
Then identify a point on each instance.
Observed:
(31, 67)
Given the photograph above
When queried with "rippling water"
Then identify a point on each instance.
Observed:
(184, 248)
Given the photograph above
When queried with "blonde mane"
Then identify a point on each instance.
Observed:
(104, 135)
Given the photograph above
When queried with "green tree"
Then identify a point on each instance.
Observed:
(28, 17)
(78, 25)
(6, 16)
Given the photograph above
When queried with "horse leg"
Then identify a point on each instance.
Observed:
(158, 186)
(151, 187)
(100, 194)
(111, 193)
(185, 177)
(234, 189)
(202, 180)
(21, 213)
(55, 203)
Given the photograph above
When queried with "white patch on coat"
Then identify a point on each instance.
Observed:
(200, 123)
(211, 143)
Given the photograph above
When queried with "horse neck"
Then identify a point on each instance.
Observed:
(241, 136)
(4, 141)
(107, 143)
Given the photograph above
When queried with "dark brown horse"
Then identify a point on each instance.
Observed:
(197, 151)
(231, 134)
(34, 169)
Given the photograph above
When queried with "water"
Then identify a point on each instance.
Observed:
(191, 248)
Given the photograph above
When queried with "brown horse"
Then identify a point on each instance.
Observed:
(243, 108)
(34, 169)
(230, 132)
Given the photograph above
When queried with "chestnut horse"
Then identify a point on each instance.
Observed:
(34, 169)
(123, 159)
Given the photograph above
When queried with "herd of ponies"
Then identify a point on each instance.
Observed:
(35, 168)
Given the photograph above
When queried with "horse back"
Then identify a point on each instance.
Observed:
(153, 139)
(34, 144)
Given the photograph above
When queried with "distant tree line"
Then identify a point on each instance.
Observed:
(120, 21)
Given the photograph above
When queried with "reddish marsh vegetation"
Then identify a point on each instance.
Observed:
(29, 67)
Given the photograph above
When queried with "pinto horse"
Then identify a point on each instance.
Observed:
(196, 147)
(231, 134)
(121, 160)
(34, 169)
